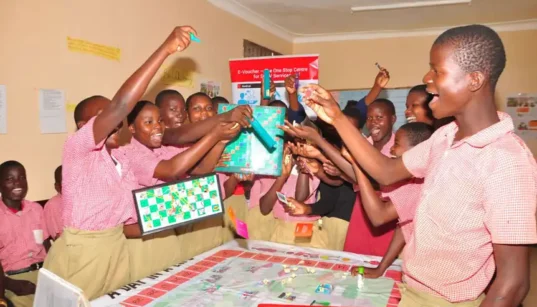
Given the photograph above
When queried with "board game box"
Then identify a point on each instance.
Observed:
(247, 152)
(172, 204)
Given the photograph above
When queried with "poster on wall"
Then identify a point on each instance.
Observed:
(247, 74)
(523, 110)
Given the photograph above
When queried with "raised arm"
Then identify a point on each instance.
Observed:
(181, 163)
(190, 133)
(267, 201)
(210, 160)
(383, 169)
(381, 80)
(132, 90)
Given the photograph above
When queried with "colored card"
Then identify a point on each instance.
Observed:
(324, 265)
(197, 268)
(187, 274)
(207, 263)
(282, 198)
(138, 300)
(166, 286)
(227, 253)
(341, 267)
(247, 255)
(261, 257)
(304, 230)
(232, 216)
(176, 280)
(242, 228)
(276, 259)
(152, 292)
(292, 261)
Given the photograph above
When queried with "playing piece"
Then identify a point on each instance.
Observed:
(282, 198)
(304, 230)
(177, 203)
(242, 228)
(232, 217)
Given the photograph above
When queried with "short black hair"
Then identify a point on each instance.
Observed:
(9, 164)
(160, 96)
(355, 114)
(220, 99)
(477, 48)
(81, 107)
(198, 94)
(58, 174)
(136, 110)
(417, 132)
(351, 103)
(278, 103)
(384, 102)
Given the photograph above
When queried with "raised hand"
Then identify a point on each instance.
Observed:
(241, 114)
(383, 77)
(290, 84)
(179, 39)
(305, 150)
(288, 162)
(321, 102)
(227, 131)
(296, 208)
(330, 169)
(302, 132)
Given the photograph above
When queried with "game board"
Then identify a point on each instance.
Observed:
(181, 202)
(247, 152)
(260, 272)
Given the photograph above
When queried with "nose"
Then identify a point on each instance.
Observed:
(408, 112)
(392, 151)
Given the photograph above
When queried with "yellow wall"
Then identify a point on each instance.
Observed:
(350, 64)
(34, 55)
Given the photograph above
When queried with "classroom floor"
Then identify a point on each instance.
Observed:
(531, 299)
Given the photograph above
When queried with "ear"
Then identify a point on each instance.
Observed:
(477, 80)
(80, 124)
(131, 129)
(394, 119)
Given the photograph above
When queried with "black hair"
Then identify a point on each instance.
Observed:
(351, 103)
(417, 132)
(160, 96)
(355, 114)
(220, 99)
(384, 102)
(58, 174)
(9, 164)
(477, 48)
(198, 94)
(136, 110)
(422, 89)
(278, 103)
(81, 107)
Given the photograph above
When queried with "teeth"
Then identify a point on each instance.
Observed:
(411, 119)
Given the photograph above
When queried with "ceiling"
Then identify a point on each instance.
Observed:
(296, 19)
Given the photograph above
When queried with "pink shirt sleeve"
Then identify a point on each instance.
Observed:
(142, 163)
(417, 159)
(289, 189)
(83, 140)
(406, 198)
(510, 199)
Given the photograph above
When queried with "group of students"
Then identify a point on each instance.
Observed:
(453, 190)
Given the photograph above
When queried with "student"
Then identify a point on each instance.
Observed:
(399, 202)
(97, 197)
(154, 164)
(53, 208)
(217, 100)
(172, 108)
(199, 107)
(418, 110)
(477, 212)
(23, 235)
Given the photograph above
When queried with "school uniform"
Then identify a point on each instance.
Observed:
(362, 236)
(155, 252)
(53, 216)
(261, 226)
(92, 251)
(21, 245)
(285, 224)
(477, 192)
(238, 203)
(335, 205)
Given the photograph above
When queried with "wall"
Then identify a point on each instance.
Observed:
(350, 64)
(34, 55)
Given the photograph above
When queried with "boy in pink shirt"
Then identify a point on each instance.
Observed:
(23, 235)
(53, 208)
(97, 196)
(476, 216)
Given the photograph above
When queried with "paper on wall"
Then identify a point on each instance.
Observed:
(87, 47)
(52, 111)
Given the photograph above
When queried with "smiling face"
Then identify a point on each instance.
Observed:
(200, 108)
(148, 127)
(416, 110)
(173, 111)
(401, 144)
(13, 186)
(379, 122)
(447, 82)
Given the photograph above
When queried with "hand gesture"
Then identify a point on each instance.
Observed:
(321, 102)
(383, 77)
(331, 170)
(179, 39)
(305, 150)
(288, 162)
(302, 132)
(21, 287)
(308, 166)
(223, 161)
(272, 88)
(227, 131)
(296, 208)
(241, 114)
(290, 84)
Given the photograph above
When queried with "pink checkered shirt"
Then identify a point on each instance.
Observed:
(18, 247)
(405, 197)
(385, 151)
(477, 192)
(143, 160)
(95, 196)
(53, 216)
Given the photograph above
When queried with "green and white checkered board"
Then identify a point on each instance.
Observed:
(247, 152)
(178, 203)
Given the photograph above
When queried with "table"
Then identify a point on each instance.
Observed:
(247, 273)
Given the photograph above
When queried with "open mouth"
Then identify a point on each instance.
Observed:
(17, 192)
(411, 119)
(157, 137)
(375, 132)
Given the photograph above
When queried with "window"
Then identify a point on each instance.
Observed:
(252, 50)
